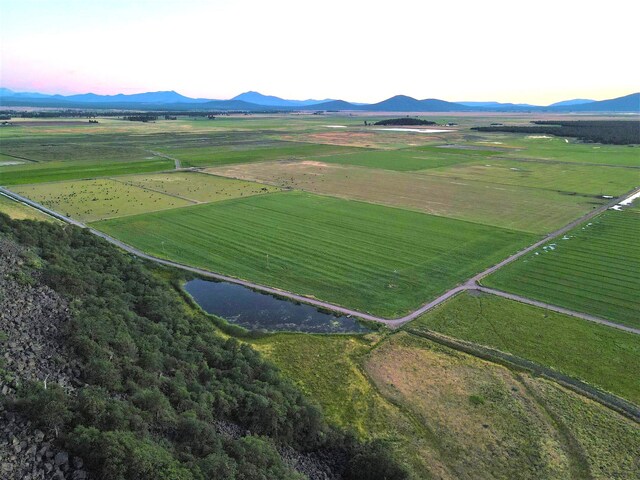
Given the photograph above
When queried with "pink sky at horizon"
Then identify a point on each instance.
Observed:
(218, 49)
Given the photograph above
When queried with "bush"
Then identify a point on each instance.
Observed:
(374, 461)
(122, 456)
(49, 408)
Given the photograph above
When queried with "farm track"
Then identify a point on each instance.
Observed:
(607, 399)
(178, 164)
(561, 162)
(471, 284)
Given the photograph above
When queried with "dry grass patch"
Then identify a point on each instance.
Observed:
(509, 206)
(485, 423)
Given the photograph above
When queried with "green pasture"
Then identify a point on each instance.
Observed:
(197, 187)
(73, 170)
(207, 156)
(369, 257)
(399, 160)
(602, 356)
(592, 269)
(53, 150)
(563, 177)
(89, 200)
(571, 150)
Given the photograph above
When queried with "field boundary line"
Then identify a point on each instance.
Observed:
(508, 360)
(195, 202)
(21, 158)
(555, 308)
(470, 284)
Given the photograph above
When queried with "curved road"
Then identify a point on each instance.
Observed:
(470, 284)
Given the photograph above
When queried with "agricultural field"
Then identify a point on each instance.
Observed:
(571, 150)
(19, 211)
(75, 170)
(597, 354)
(89, 200)
(403, 159)
(449, 415)
(369, 257)
(205, 156)
(559, 177)
(531, 210)
(592, 269)
(73, 148)
(102, 198)
(371, 137)
(196, 186)
(383, 222)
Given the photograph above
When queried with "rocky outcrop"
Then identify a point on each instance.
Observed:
(27, 453)
(322, 465)
(32, 321)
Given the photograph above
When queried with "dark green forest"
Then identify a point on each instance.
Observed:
(615, 132)
(158, 378)
(404, 121)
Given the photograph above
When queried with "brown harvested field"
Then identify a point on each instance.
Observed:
(488, 422)
(349, 137)
(509, 206)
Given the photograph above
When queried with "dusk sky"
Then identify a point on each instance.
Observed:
(535, 52)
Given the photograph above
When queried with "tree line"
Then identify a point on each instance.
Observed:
(615, 132)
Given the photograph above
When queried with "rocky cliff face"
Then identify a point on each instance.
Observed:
(32, 322)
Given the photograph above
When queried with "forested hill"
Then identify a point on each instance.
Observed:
(111, 375)
(404, 121)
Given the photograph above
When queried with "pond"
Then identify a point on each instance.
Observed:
(261, 311)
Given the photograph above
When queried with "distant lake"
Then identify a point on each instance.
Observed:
(415, 130)
(260, 311)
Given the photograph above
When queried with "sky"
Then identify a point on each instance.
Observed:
(363, 51)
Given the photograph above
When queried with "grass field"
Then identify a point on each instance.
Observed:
(74, 149)
(89, 200)
(102, 198)
(482, 423)
(19, 211)
(402, 160)
(205, 156)
(593, 180)
(572, 151)
(520, 208)
(593, 269)
(340, 386)
(451, 416)
(197, 187)
(597, 354)
(378, 259)
(607, 445)
(74, 170)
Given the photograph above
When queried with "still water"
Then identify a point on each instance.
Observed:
(260, 311)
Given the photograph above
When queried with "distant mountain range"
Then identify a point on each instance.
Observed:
(254, 101)
(271, 101)
(568, 103)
